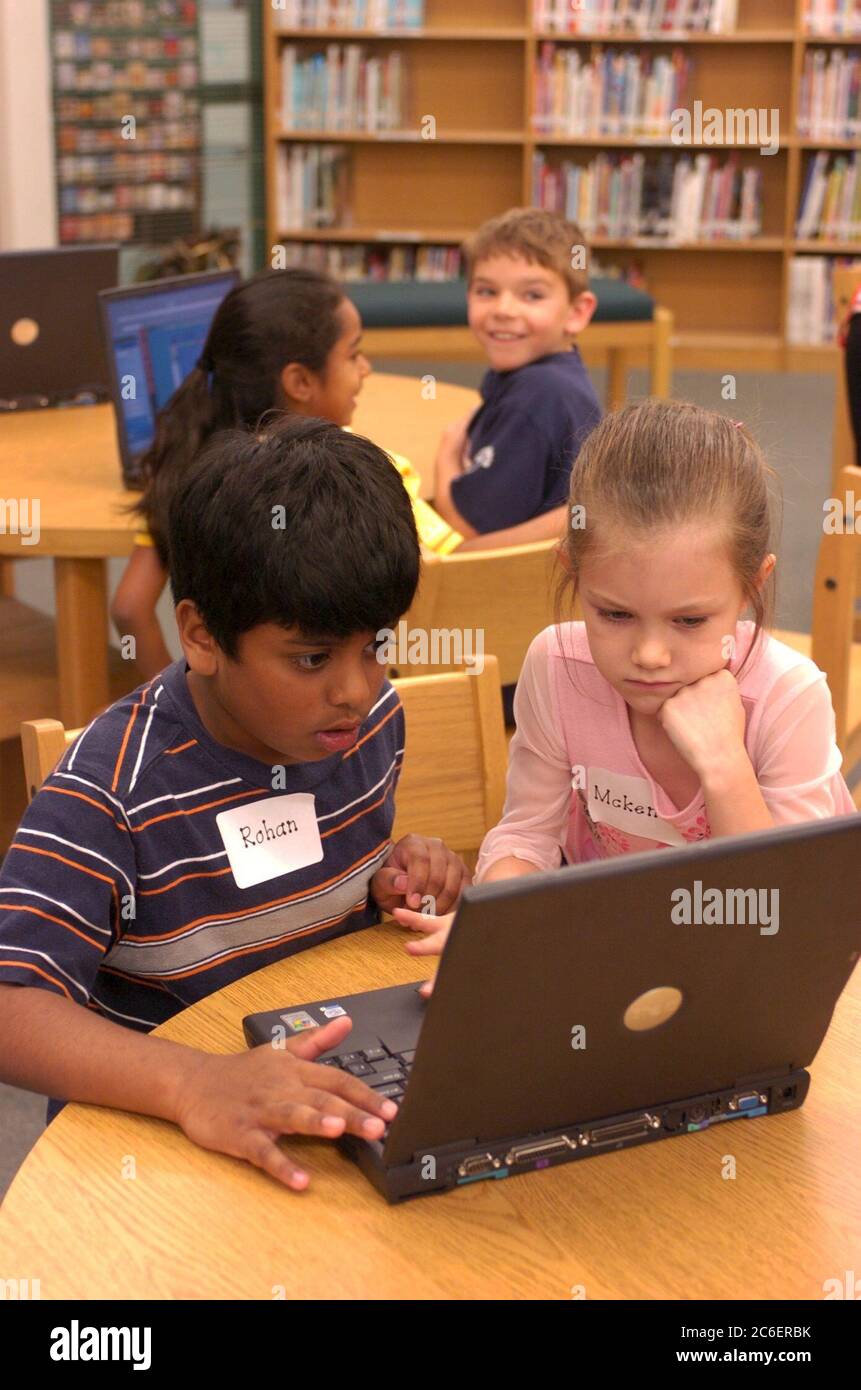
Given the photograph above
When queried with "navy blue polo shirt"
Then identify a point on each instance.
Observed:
(523, 440)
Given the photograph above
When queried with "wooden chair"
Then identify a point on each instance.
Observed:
(831, 644)
(453, 780)
(506, 595)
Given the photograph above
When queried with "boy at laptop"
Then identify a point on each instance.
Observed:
(505, 468)
(232, 811)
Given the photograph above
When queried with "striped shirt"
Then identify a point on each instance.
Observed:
(117, 891)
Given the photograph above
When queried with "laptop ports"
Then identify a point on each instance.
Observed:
(620, 1133)
(748, 1100)
(477, 1166)
(532, 1153)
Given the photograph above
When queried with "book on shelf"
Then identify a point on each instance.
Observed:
(701, 198)
(631, 272)
(830, 203)
(829, 101)
(373, 15)
(341, 89)
(311, 186)
(614, 92)
(647, 17)
(811, 314)
(832, 17)
(364, 261)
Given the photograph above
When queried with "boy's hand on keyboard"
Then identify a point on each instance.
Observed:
(419, 868)
(241, 1105)
(435, 929)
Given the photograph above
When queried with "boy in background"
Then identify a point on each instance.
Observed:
(505, 468)
(235, 809)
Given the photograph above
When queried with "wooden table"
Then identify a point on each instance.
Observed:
(68, 459)
(655, 1222)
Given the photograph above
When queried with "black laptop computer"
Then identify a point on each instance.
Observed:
(605, 1005)
(51, 350)
(154, 334)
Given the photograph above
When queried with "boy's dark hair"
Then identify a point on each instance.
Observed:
(303, 525)
(544, 238)
(276, 317)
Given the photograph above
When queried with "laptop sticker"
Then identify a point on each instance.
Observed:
(332, 1011)
(298, 1021)
(270, 838)
(626, 803)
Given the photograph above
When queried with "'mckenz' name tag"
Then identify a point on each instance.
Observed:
(626, 803)
(271, 837)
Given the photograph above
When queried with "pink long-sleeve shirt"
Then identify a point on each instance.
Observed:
(576, 785)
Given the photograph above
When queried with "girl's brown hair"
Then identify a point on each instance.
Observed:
(657, 464)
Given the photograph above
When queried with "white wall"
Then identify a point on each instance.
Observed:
(27, 196)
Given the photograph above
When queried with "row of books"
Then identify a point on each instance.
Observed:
(124, 197)
(124, 166)
(349, 14)
(79, 46)
(677, 198)
(341, 89)
(106, 226)
(372, 262)
(113, 106)
(829, 102)
(830, 204)
(158, 135)
(124, 14)
(811, 316)
(832, 17)
(105, 77)
(636, 16)
(312, 186)
(614, 93)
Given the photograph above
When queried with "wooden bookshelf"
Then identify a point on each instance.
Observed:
(472, 67)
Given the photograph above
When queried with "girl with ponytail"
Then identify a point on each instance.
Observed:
(284, 340)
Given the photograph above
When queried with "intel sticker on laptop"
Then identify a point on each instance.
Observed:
(298, 1022)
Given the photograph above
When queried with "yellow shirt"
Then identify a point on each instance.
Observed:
(433, 531)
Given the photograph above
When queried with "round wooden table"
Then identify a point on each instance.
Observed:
(661, 1221)
(68, 460)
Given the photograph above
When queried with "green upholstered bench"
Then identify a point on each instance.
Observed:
(427, 319)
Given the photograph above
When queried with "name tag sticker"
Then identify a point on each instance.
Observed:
(270, 838)
(626, 804)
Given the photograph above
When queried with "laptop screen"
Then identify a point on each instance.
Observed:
(154, 337)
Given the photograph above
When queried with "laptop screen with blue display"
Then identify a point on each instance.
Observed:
(154, 335)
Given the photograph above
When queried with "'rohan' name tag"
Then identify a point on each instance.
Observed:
(270, 838)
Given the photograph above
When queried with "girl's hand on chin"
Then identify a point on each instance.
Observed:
(705, 721)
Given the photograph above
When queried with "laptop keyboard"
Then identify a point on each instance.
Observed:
(385, 1072)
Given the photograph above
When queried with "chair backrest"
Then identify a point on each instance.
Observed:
(834, 598)
(845, 281)
(452, 782)
(506, 596)
(43, 743)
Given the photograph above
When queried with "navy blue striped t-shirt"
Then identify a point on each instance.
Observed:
(117, 891)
